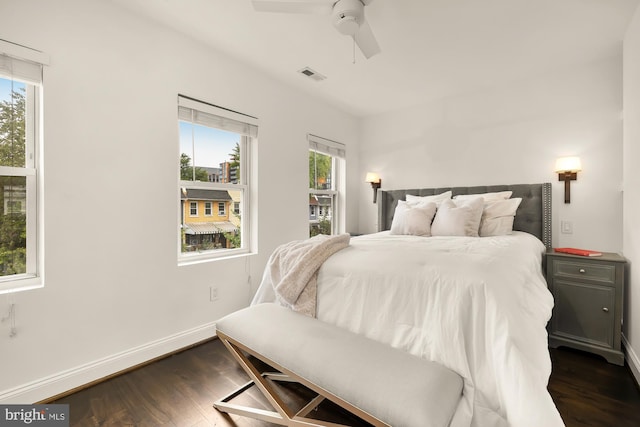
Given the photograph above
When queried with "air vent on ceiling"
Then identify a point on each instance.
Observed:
(312, 74)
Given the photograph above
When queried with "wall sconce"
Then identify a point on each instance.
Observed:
(375, 181)
(567, 169)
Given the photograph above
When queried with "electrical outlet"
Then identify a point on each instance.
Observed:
(213, 293)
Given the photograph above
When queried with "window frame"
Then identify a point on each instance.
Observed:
(26, 65)
(208, 206)
(246, 127)
(337, 152)
(193, 209)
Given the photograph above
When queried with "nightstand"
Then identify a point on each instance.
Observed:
(588, 294)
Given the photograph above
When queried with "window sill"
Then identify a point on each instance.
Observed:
(20, 283)
(198, 258)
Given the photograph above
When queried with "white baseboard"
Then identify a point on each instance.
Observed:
(61, 382)
(632, 359)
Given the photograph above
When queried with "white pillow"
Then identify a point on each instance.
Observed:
(487, 197)
(497, 217)
(437, 199)
(458, 218)
(413, 219)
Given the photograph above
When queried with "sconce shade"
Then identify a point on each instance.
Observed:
(568, 164)
(372, 177)
(375, 181)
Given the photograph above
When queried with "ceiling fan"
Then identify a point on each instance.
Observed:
(347, 16)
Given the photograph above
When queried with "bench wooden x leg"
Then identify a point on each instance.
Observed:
(283, 414)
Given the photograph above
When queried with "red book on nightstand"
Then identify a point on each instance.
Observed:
(576, 251)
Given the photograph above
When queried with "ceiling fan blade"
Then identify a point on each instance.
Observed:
(366, 41)
(322, 7)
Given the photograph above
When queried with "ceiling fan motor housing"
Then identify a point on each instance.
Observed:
(348, 15)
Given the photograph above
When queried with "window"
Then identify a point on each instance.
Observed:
(215, 169)
(326, 169)
(20, 181)
(193, 208)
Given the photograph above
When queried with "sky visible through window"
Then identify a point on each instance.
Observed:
(210, 146)
(5, 88)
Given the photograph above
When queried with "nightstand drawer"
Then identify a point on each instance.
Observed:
(584, 270)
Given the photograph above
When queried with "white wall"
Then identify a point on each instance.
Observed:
(114, 295)
(512, 134)
(631, 227)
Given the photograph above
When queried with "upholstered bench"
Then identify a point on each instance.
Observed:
(380, 384)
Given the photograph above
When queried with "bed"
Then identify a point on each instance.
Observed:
(477, 305)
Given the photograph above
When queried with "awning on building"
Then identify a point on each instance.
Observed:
(226, 226)
(209, 227)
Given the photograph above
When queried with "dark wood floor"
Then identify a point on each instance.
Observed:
(588, 391)
(179, 391)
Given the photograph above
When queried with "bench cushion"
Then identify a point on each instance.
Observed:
(390, 384)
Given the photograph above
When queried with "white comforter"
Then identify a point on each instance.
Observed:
(476, 305)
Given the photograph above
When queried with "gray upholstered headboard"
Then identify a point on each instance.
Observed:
(533, 215)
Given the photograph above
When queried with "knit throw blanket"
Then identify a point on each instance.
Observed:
(293, 267)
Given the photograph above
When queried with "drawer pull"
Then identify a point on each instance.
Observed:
(605, 309)
(582, 271)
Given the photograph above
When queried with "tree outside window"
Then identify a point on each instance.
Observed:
(13, 224)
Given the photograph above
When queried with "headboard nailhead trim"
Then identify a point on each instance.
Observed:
(546, 214)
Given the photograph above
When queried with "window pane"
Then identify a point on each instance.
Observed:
(13, 225)
(320, 171)
(323, 192)
(205, 228)
(12, 123)
(320, 214)
(208, 154)
(211, 223)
